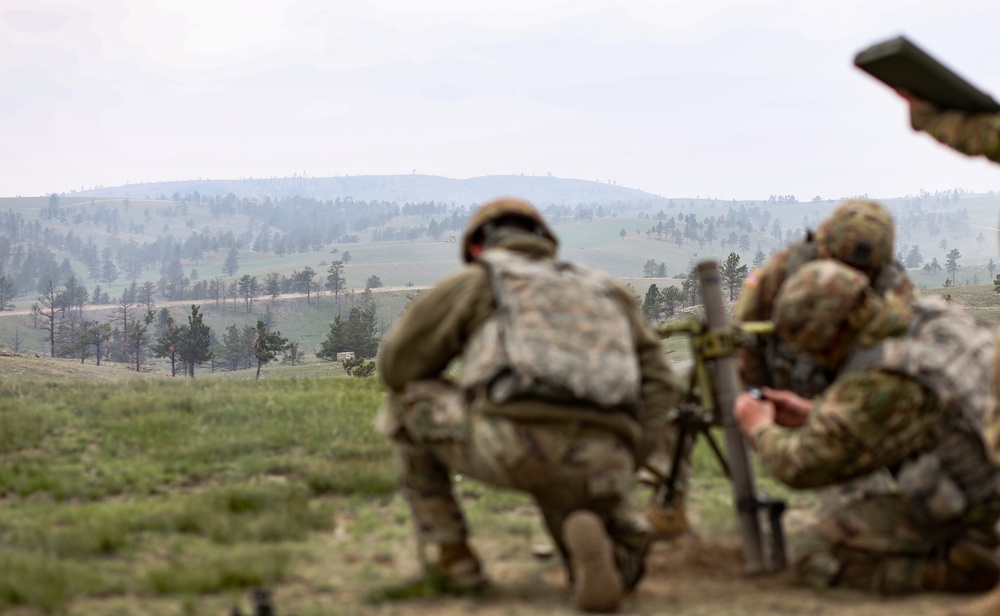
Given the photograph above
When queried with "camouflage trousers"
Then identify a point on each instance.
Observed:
(992, 421)
(563, 466)
(877, 543)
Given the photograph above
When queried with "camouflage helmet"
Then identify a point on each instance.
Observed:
(859, 233)
(818, 304)
(499, 209)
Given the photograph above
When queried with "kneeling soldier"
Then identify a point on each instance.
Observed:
(564, 389)
(912, 389)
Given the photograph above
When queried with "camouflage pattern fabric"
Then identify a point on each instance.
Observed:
(971, 134)
(948, 352)
(777, 364)
(880, 417)
(564, 466)
(974, 135)
(813, 307)
(859, 233)
(498, 209)
(876, 544)
(557, 334)
(773, 363)
(991, 430)
(435, 329)
(567, 455)
(864, 422)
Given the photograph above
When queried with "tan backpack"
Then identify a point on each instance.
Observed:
(558, 334)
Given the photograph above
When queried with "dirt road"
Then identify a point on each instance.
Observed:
(188, 302)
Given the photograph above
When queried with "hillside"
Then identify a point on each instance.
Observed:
(31, 368)
(308, 324)
(194, 248)
(395, 188)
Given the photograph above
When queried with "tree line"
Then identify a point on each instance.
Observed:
(135, 332)
(660, 304)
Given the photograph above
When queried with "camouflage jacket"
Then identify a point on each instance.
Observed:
(771, 363)
(972, 134)
(436, 328)
(947, 351)
(911, 400)
(863, 422)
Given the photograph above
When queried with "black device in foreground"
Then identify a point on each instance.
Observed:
(902, 65)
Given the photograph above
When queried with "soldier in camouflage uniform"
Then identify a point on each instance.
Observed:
(911, 392)
(563, 391)
(973, 134)
(859, 233)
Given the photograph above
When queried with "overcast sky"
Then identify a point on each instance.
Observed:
(682, 98)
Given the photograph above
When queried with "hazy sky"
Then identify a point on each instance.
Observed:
(683, 98)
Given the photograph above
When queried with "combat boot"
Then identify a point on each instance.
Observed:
(988, 605)
(458, 568)
(668, 521)
(976, 566)
(969, 567)
(597, 583)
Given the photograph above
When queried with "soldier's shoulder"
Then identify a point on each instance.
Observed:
(874, 393)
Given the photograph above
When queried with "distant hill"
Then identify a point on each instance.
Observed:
(397, 188)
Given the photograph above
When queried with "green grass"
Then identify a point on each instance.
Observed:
(173, 486)
(193, 490)
(179, 491)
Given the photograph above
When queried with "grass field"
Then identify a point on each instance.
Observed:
(172, 491)
(125, 493)
(173, 496)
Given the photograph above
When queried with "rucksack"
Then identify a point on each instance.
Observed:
(558, 334)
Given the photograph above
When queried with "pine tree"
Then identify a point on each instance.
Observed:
(359, 334)
(50, 301)
(335, 279)
(303, 282)
(139, 337)
(98, 335)
(952, 264)
(651, 303)
(335, 342)
(6, 293)
(232, 262)
(196, 347)
(267, 345)
(249, 289)
(733, 274)
(168, 344)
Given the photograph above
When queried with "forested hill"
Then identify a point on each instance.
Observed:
(396, 188)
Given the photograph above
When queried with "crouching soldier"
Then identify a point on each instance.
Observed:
(911, 393)
(564, 390)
